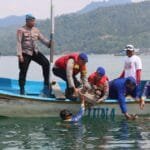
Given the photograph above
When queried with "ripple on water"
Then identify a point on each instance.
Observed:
(94, 134)
(144, 144)
(92, 138)
(90, 146)
(110, 146)
(12, 144)
(10, 134)
(145, 135)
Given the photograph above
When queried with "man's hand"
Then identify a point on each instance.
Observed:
(99, 100)
(50, 44)
(87, 86)
(83, 102)
(82, 91)
(21, 59)
(94, 87)
(130, 117)
(76, 92)
(142, 103)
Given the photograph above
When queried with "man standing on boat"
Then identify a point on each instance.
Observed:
(132, 65)
(122, 87)
(67, 67)
(27, 50)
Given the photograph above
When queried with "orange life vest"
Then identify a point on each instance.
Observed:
(92, 79)
(62, 63)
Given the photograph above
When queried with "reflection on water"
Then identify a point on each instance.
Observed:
(91, 133)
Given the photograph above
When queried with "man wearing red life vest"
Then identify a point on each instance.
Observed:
(99, 87)
(67, 67)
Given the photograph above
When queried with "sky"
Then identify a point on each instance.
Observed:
(40, 8)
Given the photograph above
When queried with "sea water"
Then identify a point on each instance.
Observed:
(91, 133)
(112, 64)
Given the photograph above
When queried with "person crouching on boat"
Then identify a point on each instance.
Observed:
(122, 87)
(27, 50)
(67, 67)
(67, 115)
(99, 87)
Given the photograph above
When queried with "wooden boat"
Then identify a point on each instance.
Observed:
(12, 104)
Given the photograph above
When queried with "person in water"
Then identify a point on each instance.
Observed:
(67, 115)
(120, 88)
(27, 50)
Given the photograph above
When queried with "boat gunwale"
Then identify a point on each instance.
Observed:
(54, 100)
(15, 96)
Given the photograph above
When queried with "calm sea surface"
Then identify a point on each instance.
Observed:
(91, 133)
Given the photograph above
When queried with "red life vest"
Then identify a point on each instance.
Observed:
(92, 79)
(62, 63)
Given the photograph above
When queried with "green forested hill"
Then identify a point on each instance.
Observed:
(104, 30)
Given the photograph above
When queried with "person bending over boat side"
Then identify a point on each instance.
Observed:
(67, 67)
(120, 88)
(27, 50)
(146, 91)
(132, 65)
(99, 87)
(66, 115)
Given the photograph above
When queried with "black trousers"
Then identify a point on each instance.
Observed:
(62, 74)
(38, 58)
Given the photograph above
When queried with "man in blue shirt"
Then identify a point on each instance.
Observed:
(66, 115)
(120, 88)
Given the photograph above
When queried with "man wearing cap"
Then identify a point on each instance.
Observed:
(99, 87)
(120, 88)
(67, 67)
(133, 64)
(27, 50)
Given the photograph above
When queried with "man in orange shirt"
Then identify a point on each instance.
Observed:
(98, 88)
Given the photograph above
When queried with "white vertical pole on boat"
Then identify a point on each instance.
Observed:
(52, 32)
(52, 39)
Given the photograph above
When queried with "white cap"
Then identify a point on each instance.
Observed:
(129, 47)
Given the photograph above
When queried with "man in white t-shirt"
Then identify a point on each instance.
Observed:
(132, 65)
